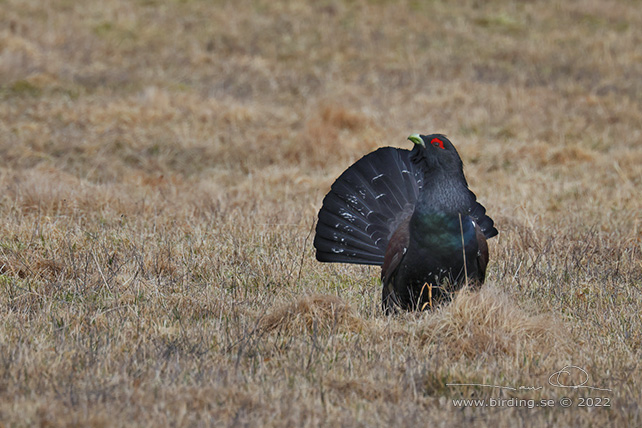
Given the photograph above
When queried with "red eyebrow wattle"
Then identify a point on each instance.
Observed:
(438, 141)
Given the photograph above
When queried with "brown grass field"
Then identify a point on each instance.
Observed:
(163, 162)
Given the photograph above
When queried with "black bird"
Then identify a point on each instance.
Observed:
(411, 212)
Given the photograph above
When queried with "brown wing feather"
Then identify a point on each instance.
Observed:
(482, 253)
(395, 253)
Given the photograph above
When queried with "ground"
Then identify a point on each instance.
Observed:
(163, 162)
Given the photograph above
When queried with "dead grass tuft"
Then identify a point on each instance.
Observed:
(489, 324)
(30, 265)
(571, 154)
(322, 312)
(361, 388)
(333, 128)
(342, 118)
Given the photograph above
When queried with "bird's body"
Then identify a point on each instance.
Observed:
(412, 213)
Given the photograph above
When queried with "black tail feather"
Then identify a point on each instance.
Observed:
(365, 205)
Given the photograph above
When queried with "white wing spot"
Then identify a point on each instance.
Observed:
(379, 196)
(347, 216)
(376, 177)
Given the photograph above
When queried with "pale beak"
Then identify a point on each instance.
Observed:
(415, 138)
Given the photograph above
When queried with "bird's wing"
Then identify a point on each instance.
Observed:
(395, 253)
(482, 254)
(478, 212)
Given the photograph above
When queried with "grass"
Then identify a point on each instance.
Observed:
(163, 163)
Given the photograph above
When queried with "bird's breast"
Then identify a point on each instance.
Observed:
(441, 232)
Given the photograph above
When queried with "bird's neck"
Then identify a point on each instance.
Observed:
(445, 194)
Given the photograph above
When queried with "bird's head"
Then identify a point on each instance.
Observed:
(435, 152)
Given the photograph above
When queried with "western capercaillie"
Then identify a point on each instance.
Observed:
(411, 212)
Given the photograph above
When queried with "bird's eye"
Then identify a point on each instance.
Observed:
(437, 143)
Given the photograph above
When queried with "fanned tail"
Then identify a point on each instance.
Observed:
(365, 205)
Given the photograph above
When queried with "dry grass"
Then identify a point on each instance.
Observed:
(312, 312)
(163, 163)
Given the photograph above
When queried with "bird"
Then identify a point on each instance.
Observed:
(410, 212)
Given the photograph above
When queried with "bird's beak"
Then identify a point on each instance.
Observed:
(415, 138)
